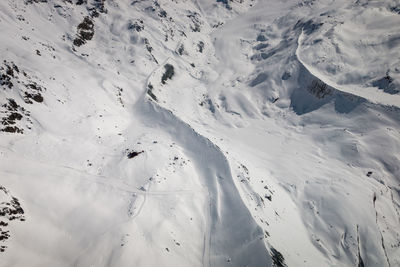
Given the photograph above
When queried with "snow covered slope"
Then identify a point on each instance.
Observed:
(199, 133)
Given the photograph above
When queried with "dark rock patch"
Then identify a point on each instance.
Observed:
(150, 92)
(131, 154)
(386, 84)
(169, 72)
(395, 9)
(277, 258)
(319, 89)
(85, 32)
(261, 38)
(35, 1)
(149, 49)
(261, 46)
(308, 27)
(181, 49)
(286, 76)
(200, 46)
(12, 113)
(196, 24)
(137, 25)
(10, 210)
(225, 3)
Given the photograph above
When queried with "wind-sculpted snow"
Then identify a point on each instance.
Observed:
(229, 223)
(355, 49)
(199, 133)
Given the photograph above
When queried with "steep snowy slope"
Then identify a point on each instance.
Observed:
(199, 133)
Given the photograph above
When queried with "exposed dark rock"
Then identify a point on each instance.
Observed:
(200, 46)
(10, 210)
(150, 49)
(226, 3)
(13, 113)
(36, 97)
(150, 92)
(99, 6)
(277, 258)
(181, 49)
(7, 73)
(319, 89)
(308, 27)
(286, 76)
(85, 32)
(81, 2)
(137, 26)
(132, 154)
(169, 72)
(261, 46)
(261, 38)
(194, 17)
(395, 9)
(386, 84)
(162, 13)
(35, 1)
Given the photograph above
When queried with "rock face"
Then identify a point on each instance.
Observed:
(10, 210)
(85, 31)
(199, 133)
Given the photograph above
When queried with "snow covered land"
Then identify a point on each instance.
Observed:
(200, 133)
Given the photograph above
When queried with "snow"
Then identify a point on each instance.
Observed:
(281, 133)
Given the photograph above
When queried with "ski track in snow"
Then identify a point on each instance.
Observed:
(219, 185)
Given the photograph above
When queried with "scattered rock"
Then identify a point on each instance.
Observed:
(150, 92)
(149, 49)
(85, 31)
(10, 210)
(132, 154)
(194, 17)
(137, 25)
(13, 113)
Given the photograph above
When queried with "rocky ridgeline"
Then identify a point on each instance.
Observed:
(12, 111)
(10, 211)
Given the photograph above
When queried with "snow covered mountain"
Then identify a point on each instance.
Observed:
(199, 133)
